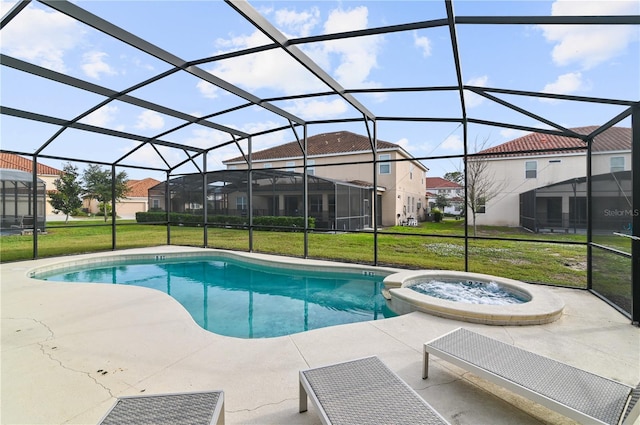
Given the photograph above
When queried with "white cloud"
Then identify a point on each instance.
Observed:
(102, 117)
(40, 37)
(267, 70)
(357, 56)
(313, 109)
(299, 24)
(147, 156)
(94, 65)
(453, 143)
(510, 134)
(150, 120)
(471, 99)
(349, 61)
(422, 43)
(569, 83)
(207, 89)
(403, 143)
(589, 45)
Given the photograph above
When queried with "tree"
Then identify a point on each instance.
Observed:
(454, 176)
(66, 197)
(97, 185)
(482, 185)
(442, 201)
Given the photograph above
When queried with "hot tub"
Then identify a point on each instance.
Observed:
(542, 305)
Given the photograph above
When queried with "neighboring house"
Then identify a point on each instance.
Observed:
(334, 156)
(137, 199)
(44, 172)
(546, 190)
(452, 191)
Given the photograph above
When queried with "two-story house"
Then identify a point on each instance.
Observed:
(451, 192)
(346, 158)
(543, 185)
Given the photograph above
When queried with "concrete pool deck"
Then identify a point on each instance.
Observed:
(69, 349)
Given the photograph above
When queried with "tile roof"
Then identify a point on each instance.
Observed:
(338, 142)
(440, 183)
(17, 162)
(140, 188)
(613, 139)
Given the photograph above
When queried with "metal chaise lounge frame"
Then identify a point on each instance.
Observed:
(190, 408)
(573, 392)
(363, 391)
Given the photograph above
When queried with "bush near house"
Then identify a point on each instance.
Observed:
(190, 219)
(437, 215)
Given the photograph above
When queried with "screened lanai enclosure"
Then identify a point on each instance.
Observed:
(22, 205)
(332, 205)
(169, 90)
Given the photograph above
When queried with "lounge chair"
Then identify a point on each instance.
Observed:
(573, 392)
(194, 408)
(362, 392)
(24, 222)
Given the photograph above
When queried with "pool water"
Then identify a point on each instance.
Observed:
(244, 300)
(470, 292)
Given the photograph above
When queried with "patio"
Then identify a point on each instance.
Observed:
(68, 350)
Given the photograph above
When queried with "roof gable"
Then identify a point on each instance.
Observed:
(17, 162)
(440, 183)
(613, 139)
(336, 143)
(140, 188)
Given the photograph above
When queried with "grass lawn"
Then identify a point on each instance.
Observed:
(429, 246)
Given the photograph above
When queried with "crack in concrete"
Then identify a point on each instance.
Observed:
(50, 356)
(263, 405)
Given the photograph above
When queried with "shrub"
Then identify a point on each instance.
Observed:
(190, 219)
(437, 215)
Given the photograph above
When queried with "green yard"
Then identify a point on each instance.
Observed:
(430, 246)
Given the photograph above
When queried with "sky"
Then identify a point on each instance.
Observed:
(593, 61)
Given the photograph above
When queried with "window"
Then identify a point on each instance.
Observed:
(482, 205)
(311, 171)
(384, 167)
(531, 169)
(241, 203)
(291, 166)
(410, 171)
(156, 203)
(617, 163)
(267, 165)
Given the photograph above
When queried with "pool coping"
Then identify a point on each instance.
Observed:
(61, 264)
(544, 307)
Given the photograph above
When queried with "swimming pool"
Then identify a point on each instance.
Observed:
(245, 300)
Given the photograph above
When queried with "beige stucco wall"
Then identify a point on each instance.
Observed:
(125, 208)
(504, 209)
(48, 181)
